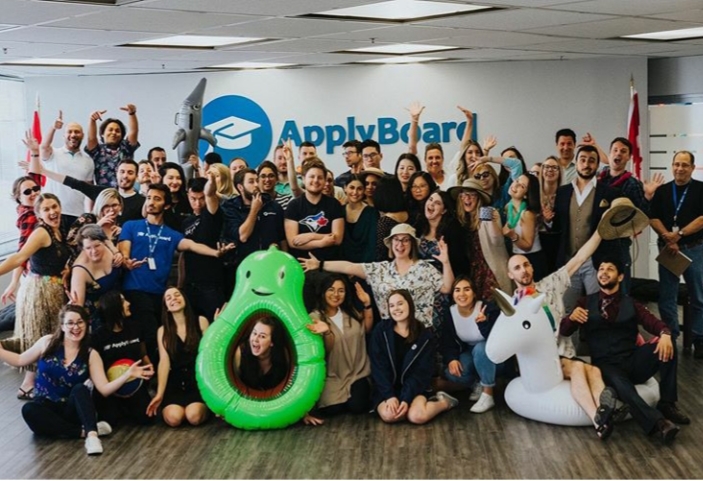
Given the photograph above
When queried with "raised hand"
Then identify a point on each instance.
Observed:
(415, 109)
(489, 142)
(651, 186)
(588, 139)
(30, 142)
(443, 255)
(131, 109)
(318, 327)
(58, 123)
(362, 295)
(481, 316)
(467, 113)
(97, 115)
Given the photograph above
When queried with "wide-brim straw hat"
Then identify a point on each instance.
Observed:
(372, 171)
(622, 220)
(400, 229)
(471, 184)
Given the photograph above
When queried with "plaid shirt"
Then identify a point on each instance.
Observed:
(26, 222)
(628, 186)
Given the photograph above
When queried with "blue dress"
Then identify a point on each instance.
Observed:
(95, 289)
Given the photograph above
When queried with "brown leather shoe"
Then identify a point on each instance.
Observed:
(672, 413)
(666, 430)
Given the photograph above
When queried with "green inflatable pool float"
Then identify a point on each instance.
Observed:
(268, 283)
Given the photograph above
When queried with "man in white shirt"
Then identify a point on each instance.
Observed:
(68, 160)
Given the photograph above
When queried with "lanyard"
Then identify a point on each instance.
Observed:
(152, 245)
(678, 203)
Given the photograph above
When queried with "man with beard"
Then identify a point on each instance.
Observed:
(126, 177)
(69, 161)
(578, 209)
(609, 321)
(587, 387)
(202, 277)
(148, 246)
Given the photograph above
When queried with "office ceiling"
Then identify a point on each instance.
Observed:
(519, 30)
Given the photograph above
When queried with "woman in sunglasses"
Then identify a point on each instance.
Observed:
(490, 181)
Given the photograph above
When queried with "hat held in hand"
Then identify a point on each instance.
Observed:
(622, 220)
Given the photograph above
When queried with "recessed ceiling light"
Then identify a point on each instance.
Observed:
(402, 48)
(408, 59)
(252, 65)
(696, 32)
(402, 10)
(192, 41)
(55, 62)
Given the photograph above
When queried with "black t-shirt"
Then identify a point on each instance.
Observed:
(204, 229)
(663, 208)
(113, 346)
(268, 228)
(402, 347)
(132, 208)
(315, 218)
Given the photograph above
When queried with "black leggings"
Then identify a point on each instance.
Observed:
(359, 400)
(116, 410)
(68, 419)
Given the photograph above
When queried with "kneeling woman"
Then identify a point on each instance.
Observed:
(62, 406)
(464, 344)
(344, 329)
(402, 364)
(261, 361)
(178, 339)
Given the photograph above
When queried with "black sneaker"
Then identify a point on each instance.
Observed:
(672, 413)
(606, 406)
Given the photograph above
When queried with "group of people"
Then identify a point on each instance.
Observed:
(121, 259)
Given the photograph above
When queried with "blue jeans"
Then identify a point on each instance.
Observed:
(475, 362)
(669, 291)
(583, 282)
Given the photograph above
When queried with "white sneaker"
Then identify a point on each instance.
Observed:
(476, 392)
(453, 402)
(93, 445)
(484, 403)
(104, 429)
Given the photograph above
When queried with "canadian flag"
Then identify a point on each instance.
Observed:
(36, 133)
(633, 131)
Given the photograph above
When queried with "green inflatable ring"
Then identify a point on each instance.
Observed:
(268, 282)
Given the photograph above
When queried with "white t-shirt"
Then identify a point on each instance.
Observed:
(79, 166)
(338, 320)
(466, 327)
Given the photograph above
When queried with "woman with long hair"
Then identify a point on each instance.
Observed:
(108, 209)
(522, 224)
(486, 247)
(118, 340)
(463, 346)
(262, 361)
(173, 177)
(178, 339)
(41, 295)
(420, 186)
(406, 165)
(93, 273)
(360, 222)
(62, 406)
(24, 191)
(497, 186)
(402, 363)
(224, 181)
(343, 329)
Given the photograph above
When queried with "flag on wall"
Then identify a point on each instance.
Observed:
(36, 133)
(633, 130)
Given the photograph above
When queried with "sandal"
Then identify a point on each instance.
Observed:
(606, 407)
(27, 395)
(604, 431)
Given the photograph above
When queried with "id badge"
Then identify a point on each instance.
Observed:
(675, 229)
(151, 263)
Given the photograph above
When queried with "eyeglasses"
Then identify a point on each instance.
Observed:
(372, 155)
(484, 175)
(401, 240)
(552, 168)
(470, 194)
(72, 324)
(267, 176)
(350, 152)
(420, 186)
(36, 188)
(112, 206)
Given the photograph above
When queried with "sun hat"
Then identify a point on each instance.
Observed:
(622, 220)
(473, 185)
(400, 229)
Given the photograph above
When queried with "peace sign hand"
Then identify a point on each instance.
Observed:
(481, 316)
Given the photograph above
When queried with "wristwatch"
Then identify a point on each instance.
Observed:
(681, 233)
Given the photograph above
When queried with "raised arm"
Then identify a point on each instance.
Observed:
(342, 267)
(469, 127)
(133, 135)
(583, 254)
(212, 202)
(37, 239)
(292, 174)
(415, 110)
(93, 129)
(46, 148)
(28, 357)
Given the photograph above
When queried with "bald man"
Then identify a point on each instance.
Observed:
(587, 387)
(68, 160)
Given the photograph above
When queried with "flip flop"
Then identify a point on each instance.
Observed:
(26, 395)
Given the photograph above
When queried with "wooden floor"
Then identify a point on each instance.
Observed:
(458, 444)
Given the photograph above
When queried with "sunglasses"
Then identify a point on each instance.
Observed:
(36, 188)
(484, 175)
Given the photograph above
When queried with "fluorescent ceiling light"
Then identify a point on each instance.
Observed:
(402, 48)
(403, 10)
(408, 59)
(192, 41)
(696, 32)
(252, 65)
(55, 62)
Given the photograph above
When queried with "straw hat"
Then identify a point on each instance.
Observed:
(400, 229)
(471, 184)
(372, 171)
(622, 220)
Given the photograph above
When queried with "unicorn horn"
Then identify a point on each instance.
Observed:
(504, 302)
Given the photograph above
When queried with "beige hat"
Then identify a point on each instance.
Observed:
(622, 220)
(373, 171)
(471, 184)
(400, 229)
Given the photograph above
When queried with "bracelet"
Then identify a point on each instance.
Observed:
(34, 155)
(367, 307)
(132, 113)
(321, 266)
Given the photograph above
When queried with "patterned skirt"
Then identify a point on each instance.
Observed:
(39, 301)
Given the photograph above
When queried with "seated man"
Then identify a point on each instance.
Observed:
(610, 323)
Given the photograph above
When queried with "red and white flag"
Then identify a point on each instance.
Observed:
(633, 131)
(36, 133)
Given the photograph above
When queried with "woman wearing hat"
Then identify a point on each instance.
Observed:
(404, 271)
(490, 181)
(486, 247)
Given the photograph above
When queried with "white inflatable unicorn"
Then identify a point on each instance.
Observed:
(540, 393)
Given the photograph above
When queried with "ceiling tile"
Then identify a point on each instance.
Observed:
(254, 7)
(72, 36)
(510, 20)
(632, 8)
(290, 27)
(492, 38)
(25, 12)
(684, 16)
(307, 45)
(26, 49)
(613, 28)
(397, 33)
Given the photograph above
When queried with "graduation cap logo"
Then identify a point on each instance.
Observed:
(233, 133)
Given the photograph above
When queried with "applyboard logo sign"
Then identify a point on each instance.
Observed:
(241, 127)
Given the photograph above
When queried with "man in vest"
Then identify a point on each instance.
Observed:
(610, 323)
